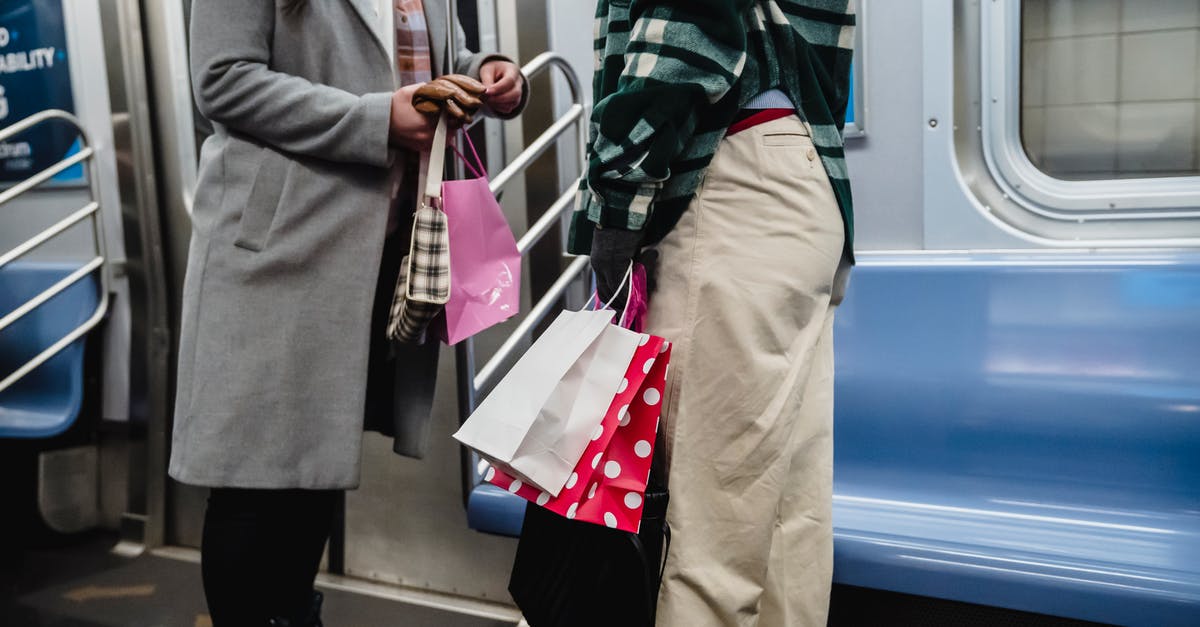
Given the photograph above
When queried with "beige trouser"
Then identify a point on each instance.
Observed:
(747, 286)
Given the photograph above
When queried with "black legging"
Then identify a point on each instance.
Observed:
(261, 552)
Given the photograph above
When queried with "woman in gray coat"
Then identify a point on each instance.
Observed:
(300, 217)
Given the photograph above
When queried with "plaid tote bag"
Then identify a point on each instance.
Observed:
(424, 283)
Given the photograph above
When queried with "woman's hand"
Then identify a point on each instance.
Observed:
(504, 86)
(410, 128)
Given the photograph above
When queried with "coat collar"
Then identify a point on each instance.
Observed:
(366, 12)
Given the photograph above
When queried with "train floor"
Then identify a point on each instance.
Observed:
(85, 584)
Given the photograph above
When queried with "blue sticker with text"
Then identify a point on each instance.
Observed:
(35, 76)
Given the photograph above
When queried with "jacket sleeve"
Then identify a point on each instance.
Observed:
(235, 86)
(682, 56)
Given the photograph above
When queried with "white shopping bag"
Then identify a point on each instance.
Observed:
(538, 420)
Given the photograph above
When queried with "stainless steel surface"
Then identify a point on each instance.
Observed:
(45, 236)
(552, 218)
(540, 145)
(89, 64)
(405, 524)
(44, 175)
(86, 155)
(452, 40)
(135, 125)
(170, 74)
(887, 185)
(68, 488)
(168, 152)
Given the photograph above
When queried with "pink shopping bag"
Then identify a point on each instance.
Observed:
(608, 486)
(637, 304)
(485, 265)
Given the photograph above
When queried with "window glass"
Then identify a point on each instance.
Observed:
(1110, 89)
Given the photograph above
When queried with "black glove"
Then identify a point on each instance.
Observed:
(613, 250)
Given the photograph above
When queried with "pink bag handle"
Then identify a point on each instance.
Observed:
(628, 280)
(477, 167)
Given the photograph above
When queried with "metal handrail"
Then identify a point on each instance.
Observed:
(470, 383)
(92, 210)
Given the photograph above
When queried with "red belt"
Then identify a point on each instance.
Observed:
(752, 118)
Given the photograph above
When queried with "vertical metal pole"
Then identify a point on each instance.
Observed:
(451, 36)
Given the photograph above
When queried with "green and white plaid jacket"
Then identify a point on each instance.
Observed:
(671, 75)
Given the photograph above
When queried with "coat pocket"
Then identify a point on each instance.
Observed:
(263, 202)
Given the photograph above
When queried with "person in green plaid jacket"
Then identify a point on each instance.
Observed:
(716, 149)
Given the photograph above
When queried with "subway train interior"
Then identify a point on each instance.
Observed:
(1017, 358)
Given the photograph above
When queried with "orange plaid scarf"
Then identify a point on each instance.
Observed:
(413, 58)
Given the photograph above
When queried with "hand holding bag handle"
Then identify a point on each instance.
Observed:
(628, 278)
(486, 272)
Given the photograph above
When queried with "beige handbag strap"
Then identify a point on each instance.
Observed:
(433, 166)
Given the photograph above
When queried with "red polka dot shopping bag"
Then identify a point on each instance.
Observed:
(608, 484)
(541, 416)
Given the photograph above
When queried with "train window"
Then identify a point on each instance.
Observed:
(1090, 114)
(1109, 88)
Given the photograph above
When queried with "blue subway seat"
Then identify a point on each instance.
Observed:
(492, 510)
(1013, 432)
(48, 400)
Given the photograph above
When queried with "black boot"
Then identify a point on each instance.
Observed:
(314, 616)
(310, 618)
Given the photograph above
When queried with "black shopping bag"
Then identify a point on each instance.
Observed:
(579, 574)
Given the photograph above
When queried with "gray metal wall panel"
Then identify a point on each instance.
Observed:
(406, 523)
(885, 165)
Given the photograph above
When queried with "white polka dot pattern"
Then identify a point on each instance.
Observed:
(652, 397)
(619, 453)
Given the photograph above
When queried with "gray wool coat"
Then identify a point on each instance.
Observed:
(289, 221)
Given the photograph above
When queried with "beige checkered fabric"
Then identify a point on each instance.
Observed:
(424, 284)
